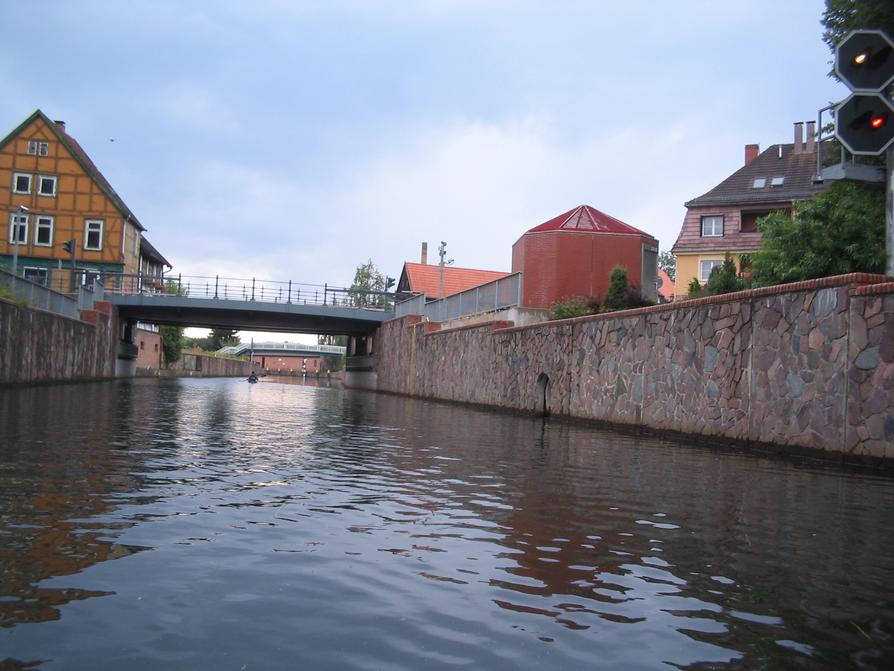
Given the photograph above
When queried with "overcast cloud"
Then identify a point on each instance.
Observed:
(294, 140)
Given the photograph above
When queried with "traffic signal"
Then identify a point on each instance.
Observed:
(864, 60)
(69, 246)
(864, 123)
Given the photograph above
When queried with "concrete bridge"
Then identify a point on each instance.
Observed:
(253, 305)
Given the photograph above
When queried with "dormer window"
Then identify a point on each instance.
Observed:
(777, 181)
(36, 148)
(759, 183)
(712, 227)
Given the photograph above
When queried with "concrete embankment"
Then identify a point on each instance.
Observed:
(39, 346)
(200, 365)
(807, 365)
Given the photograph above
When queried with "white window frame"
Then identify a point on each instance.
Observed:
(17, 221)
(713, 219)
(43, 221)
(88, 224)
(15, 181)
(41, 271)
(702, 275)
(38, 148)
(49, 178)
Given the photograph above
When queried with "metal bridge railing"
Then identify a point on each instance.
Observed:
(37, 295)
(242, 348)
(246, 289)
(502, 293)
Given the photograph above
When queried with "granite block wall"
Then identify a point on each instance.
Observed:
(806, 365)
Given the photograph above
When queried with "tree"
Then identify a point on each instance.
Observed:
(843, 16)
(724, 279)
(367, 279)
(171, 343)
(668, 263)
(223, 338)
(841, 231)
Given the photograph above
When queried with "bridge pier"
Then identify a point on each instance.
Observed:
(360, 372)
(127, 350)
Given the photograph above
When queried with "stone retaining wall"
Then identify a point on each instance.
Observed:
(805, 365)
(40, 346)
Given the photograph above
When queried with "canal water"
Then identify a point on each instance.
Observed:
(213, 524)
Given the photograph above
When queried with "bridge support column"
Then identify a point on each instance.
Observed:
(126, 360)
(360, 372)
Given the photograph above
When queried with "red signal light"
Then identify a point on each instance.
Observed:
(878, 121)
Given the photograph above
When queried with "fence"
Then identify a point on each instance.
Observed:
(36, 295)
(502, 293)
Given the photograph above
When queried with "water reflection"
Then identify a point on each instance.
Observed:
(312, 526)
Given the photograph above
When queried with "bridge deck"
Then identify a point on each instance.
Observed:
(248, 315)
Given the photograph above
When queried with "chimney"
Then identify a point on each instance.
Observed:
(60, 124)
(424, 260)
(751, 152)
(799, 138)
(811, 137)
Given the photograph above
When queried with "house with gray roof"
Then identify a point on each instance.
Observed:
(725, 218)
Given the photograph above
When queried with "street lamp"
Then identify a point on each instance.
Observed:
(16, 222)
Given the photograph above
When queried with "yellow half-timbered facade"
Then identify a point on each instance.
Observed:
(52, 196)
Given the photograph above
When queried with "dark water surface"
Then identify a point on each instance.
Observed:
(212, 524)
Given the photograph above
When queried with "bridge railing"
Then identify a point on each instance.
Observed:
(38, 295)
(502, 293)
(246, 289)
(242, 348)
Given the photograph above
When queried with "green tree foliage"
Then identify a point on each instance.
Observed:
(668, 263)
(841, 231)
(618, 290)
(171, 343)
(574, 307)
(695, 289)
(724, 279)
(367, 278)
(843, 16)
(223, 338)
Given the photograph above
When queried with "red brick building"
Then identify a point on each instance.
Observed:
(574, 253)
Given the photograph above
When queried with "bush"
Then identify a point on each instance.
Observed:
(621, 295)
(573, 307)
(695, 289)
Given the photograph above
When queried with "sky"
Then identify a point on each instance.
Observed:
(289, 140)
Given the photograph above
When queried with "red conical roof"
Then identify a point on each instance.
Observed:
(586, 219)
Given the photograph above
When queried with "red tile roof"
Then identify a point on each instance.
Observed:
(425, 278)
(667, 286)
(585, 219)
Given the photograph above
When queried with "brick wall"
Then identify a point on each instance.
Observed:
(806, 365)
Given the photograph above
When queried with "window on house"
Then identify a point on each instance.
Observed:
(43, 231)
(38, 275)
(21, 182)
(759, 183)
(18, 228)
(705, 268)
(777, 181)
(93, 234)
(36, 148)
(712, 226)
(46, 185)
